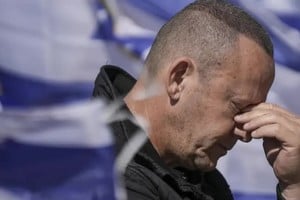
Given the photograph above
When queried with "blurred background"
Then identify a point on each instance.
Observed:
(52, 50)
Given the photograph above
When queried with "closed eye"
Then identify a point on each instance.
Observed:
(234, 108)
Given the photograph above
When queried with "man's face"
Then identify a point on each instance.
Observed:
(209, 107)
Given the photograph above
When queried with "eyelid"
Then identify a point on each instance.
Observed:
(235, 107)
(248, 107)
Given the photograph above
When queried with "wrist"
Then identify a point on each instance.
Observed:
(289, 191)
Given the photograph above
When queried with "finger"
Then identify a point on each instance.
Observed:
(270, 107)
(268, 118)
(263, 108)
(253, 112)
(248, 116)
(242, 135)
(275, 131)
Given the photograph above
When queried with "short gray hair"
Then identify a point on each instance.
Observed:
(204, 30)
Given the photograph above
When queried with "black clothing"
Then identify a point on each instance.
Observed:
(147, 177)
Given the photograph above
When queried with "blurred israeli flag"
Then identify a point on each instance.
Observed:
(56, 152)
(54, 141)
(51, 51)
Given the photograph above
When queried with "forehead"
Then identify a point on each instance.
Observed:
(248, 72)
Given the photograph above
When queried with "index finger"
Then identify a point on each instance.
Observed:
(253, 112)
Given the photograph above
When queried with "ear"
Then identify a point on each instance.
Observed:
(180, 70)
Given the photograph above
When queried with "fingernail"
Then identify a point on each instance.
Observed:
(238, 117)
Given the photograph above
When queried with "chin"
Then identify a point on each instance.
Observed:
(209, 168)
(204, 164)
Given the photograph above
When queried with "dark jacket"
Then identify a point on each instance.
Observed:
(147, 177)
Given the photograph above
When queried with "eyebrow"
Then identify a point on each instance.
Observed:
(242, 103)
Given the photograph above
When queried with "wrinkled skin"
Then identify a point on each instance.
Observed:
(197, 117)
(203, 116)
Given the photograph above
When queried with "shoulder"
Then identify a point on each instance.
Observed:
(139, 179)
(136, 173)
(143, 183)
(218, 185)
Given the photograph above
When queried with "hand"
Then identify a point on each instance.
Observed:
(280, 131)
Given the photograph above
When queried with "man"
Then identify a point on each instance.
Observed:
(203, 87)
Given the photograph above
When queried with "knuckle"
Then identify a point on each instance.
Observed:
(272, 106)
(272, 116)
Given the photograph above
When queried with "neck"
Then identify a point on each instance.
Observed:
(150, 107)
(149, 111)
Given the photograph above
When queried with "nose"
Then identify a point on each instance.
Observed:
(241, 134)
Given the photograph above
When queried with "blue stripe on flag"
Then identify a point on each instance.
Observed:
(162, 9)
(291, 20)
(57, 152)
(284, 55)
(24, 91)
(248, 196)
(86, 172)
(135, 44)
(105, 27)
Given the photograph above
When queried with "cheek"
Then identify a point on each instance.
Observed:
(226, 119)
(226, 127)
(212, 119)
(221, 126)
